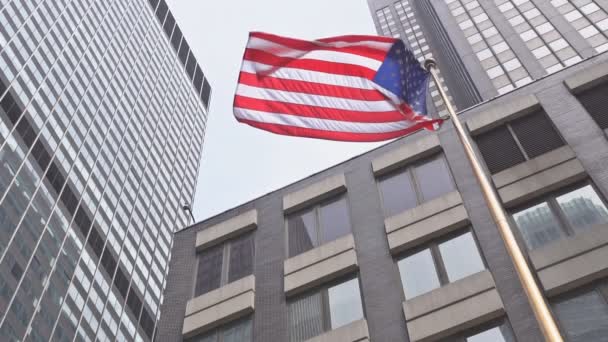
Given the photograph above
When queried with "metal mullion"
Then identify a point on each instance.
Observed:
(414, 181)
(317, 211)
(560, 216)
(516, 138)
(326, 310)
(439, 265)
(225, 263)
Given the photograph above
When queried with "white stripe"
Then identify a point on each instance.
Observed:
(316, 100)
(321, 124)
(321, 55)
(307, 75)
(368, 43)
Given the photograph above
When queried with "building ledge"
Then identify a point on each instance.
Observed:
(324, 263)
(226, 230)
(588, 78)
(220, 306)
(572, 262)
(319, 191)
(453, 308)
(497, 115)
(425, 222)
(356, 331)
(406, 154)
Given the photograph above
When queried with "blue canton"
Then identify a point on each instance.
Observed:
(402, 75)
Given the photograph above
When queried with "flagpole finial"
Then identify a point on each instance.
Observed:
(430, 63)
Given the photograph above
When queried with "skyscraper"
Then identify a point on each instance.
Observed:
(103, 109)
(490, 47)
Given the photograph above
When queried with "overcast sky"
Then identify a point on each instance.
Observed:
(239, 162)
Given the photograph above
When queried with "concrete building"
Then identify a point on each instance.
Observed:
(102, 116)
(398, 244)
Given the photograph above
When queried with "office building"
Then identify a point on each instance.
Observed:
(490, 47)
(398, 244)
(103, 109)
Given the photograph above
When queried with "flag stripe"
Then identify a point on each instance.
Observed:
(315, 112)
(358, 38)
(264, 41)
(318, 100)
(312, 88)
(288, 73)
(321, 134)
(324, 124)
(309, 64)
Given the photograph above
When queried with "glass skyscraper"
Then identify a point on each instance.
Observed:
(103, 109)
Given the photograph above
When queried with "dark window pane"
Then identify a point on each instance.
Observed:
(398, 194)
(302, 232)
(536, 134)
(461, 257)
(583, 208)
(241, 258)
(305, 318)
(583, 318)
(538, 226)
(502, 333)
(334, 220)
(345, 303)
(418, 274)
(499, 149)
(206, 337)
(595, 102)
(237, 332)
(433, 179)
(209, 272)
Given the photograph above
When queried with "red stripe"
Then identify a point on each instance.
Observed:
(315, 112)
(330, 135)
(310, 87)
(309, 64)
(304, 45)
(358, 38)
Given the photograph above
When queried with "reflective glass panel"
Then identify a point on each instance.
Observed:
(209, 272)
(433, 179)
(302, 232)
(398, 193)
(238, 332)
(497, 334)
(241, 258)
(345, 303)
(334, 220)
(538, 226)
(305, 318)
(418, 274)
(583, 208)
(461, 257)
(583, 318)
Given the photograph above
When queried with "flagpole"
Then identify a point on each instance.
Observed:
(531, 288)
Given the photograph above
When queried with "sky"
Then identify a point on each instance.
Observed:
(241, 163)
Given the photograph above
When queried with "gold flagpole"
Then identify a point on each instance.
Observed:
(531, 288)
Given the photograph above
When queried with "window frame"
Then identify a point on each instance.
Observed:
(509, 125)
(226, 247)
(323, 289)
(495, 323)
(551, 199)
(433, 246)
(410, 169)
(219, 330)
(316, 209)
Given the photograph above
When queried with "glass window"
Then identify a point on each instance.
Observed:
(213, 272)
(318, 225)
(398, 190)
(328, 308)
(238, 331)
(559, 215)
(442, 262)
(345, 303)
(500, 333)
(418, 274)
(584, 317)
(460, 257)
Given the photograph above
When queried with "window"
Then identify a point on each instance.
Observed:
(224, 263)
(317, 225)
(239, 331)
(518, 141)
(326, 309)
(584, 316)
(439, 263)
(493, 332)
(559, 215)
(415, 185)
(596, 103)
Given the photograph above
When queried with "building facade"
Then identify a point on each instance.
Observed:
(489, 47)
(398, 244)
(103, 109)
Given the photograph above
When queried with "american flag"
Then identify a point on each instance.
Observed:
(349, 88)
